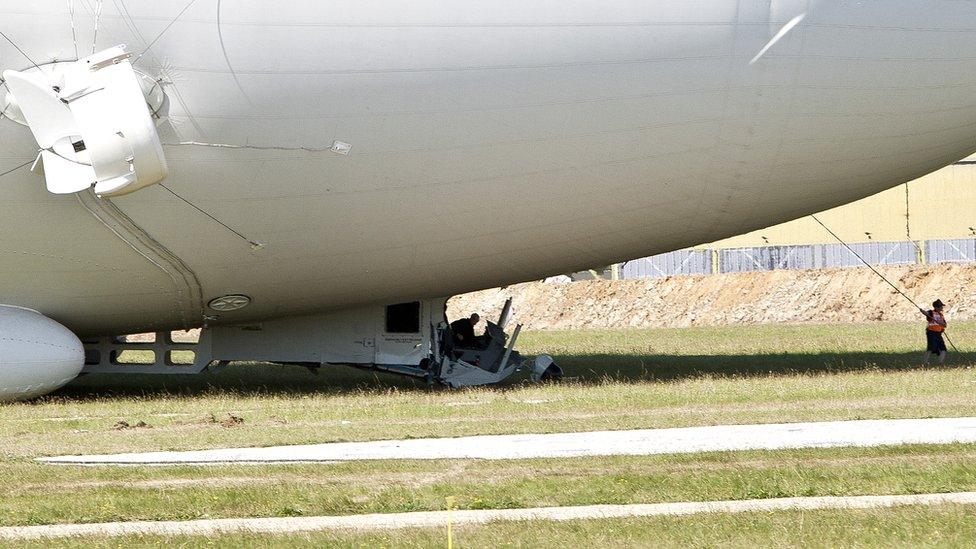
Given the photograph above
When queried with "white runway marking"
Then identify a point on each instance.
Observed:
(603, 443)
(439, 518)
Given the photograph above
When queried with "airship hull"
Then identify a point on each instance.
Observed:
(323, 159)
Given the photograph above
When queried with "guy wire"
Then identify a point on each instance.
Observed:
(22, 52)
(254, 244)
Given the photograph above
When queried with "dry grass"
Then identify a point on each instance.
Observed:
(717, 376)
(32, 493)
(641, 379)
(942, 526)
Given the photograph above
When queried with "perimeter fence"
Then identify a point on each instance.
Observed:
(805, 256)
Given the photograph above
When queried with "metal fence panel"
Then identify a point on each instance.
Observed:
(767, 258)
(875, 253)
(817, 256)
(950, 251)
(680, 262)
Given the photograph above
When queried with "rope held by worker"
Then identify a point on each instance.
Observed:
(941, 332)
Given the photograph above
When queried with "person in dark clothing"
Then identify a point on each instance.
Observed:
(463, 330)
(935, 327)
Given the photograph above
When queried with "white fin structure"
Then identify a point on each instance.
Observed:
(50, 119)
(64, 176)
(93, 125)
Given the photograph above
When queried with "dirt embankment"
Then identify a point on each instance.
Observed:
(836, 295)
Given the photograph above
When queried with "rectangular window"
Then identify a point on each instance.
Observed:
(403, 318)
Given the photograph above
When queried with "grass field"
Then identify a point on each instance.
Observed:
(35, 494)
(943, 526)
(625, 379)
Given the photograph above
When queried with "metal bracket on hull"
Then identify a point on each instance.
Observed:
(117, 355)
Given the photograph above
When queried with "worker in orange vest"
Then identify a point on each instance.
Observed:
(934, 330)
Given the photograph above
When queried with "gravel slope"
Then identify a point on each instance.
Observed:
(816, 296)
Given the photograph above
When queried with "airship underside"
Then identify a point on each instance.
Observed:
(324, 159)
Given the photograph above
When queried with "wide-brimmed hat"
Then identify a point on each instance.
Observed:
(938, 303)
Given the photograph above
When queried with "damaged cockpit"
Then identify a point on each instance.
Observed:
(490, 360)
(410, 339)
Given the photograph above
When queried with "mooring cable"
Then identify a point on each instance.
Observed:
(71, 17)
(15, 168)
(255, 245)
(160, 35)
(877, 272)
(97, 17)
(22, 52)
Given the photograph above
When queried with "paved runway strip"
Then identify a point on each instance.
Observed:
(439, 518)
(603, 443)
